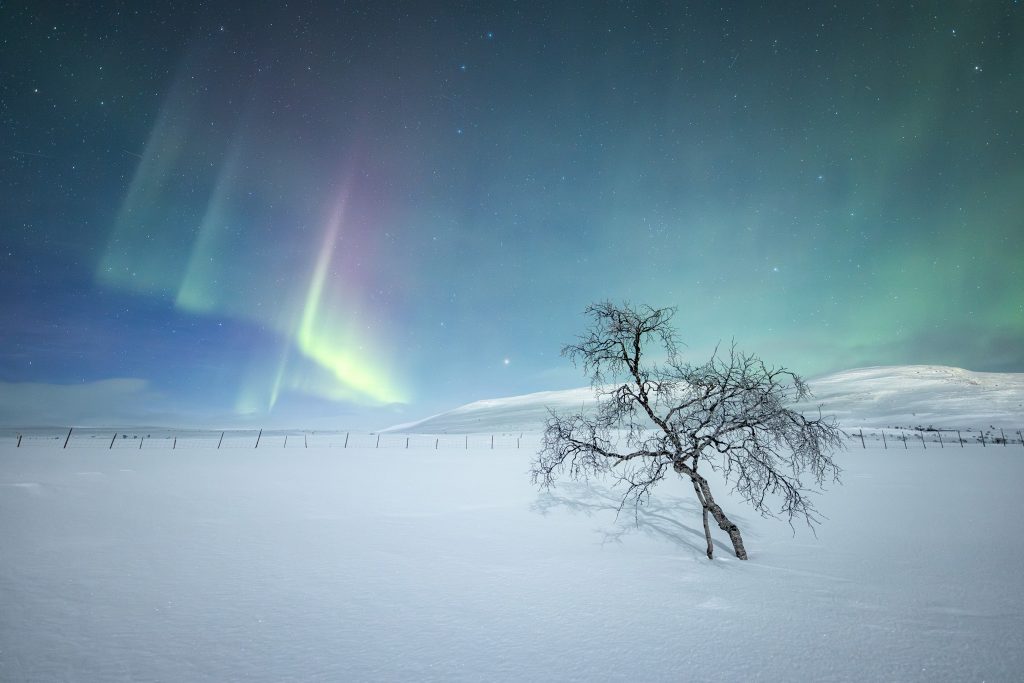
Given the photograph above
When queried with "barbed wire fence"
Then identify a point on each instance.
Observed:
(921, 437)
(73, 438)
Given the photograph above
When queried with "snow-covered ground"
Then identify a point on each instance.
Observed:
(198, 556)
(894, 396)
(390, 564)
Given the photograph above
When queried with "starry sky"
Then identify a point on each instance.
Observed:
(360, 213)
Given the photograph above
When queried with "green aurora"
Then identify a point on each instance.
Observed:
(342, 210)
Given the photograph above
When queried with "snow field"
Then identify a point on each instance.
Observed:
(393, 564)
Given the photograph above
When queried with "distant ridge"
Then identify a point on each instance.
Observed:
(921, 395)
(896, 396)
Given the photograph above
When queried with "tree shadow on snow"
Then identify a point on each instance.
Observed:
(659, 517)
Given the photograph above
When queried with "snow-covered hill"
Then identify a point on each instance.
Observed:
(921, 395)
(513, 414)
(906, 395)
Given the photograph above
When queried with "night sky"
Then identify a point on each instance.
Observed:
(359, 213)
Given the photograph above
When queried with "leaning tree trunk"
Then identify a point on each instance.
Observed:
(704, 515)
(707, 501)
(724, 523)
(707, 533)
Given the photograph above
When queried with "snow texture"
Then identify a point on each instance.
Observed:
(447, 565)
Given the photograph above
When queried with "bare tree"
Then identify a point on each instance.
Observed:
(656, 416)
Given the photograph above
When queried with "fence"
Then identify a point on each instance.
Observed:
(938, 438)
(234, 439)
(172, 439)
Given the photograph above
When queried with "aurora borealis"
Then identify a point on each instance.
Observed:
(364, 212)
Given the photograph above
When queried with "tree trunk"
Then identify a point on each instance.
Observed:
(727, 525)
(704, 514)
(707, 501)
(724, 523)
(707, 534)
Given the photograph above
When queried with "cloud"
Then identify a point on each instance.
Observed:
(28, 404)
(133, 402)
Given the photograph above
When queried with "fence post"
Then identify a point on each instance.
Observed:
(1004, 436)
(467, 442)
(904, 435)
(258, 438)
(68, 439)
(378, 440)
(959, 436)
(492, 442)
(982, 438)
(141, 441)
(436, 441)
(1018, 434)
(305, 439)
(112, 440)
(406, 443)
(175, 444)
(941, 445)
(221, 440)
(884, 444)
(517, 440)
(346, 439)
(19, 440)
(922, 441)
(286, 441)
